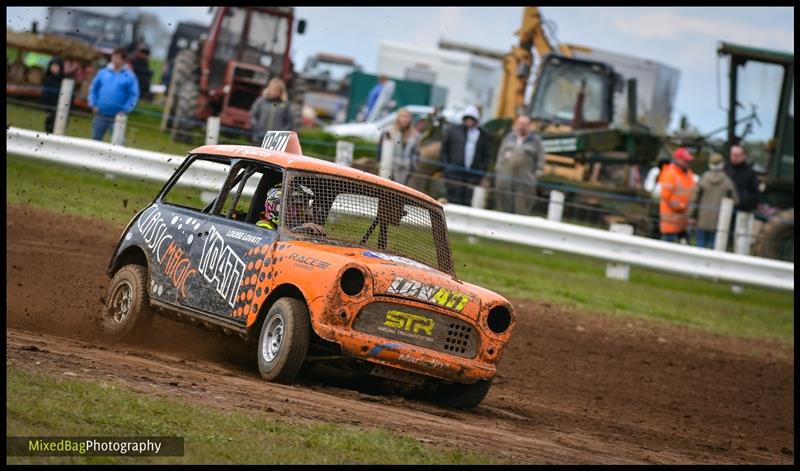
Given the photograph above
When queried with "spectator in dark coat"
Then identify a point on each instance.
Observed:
(51, 86)
(744, 178)
(465, 156)
(140, 63)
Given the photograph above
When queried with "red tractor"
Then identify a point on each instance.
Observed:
(244, 48)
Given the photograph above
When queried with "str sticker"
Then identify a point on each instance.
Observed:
(411, 325)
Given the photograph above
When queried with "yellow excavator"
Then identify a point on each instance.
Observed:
(597, 139)
(518, 63)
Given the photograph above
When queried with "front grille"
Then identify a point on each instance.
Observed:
(458, 338)
(418, 327)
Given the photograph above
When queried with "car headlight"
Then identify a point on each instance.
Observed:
(499, 319)
(352, 281)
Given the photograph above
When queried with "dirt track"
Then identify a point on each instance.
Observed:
(572, 387)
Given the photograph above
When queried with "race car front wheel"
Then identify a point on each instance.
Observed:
(283, 343)
(127, 310)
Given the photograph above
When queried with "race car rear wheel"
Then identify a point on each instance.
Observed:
(462, 396)
(127, 310)
(283, 343)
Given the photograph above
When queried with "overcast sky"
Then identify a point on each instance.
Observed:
(683, 37)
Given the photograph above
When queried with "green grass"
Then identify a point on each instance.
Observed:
(516, 271)
(42, 405)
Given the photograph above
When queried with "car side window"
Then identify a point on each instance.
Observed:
(199, 184)
(244, 200)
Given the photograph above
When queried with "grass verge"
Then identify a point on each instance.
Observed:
(515, 271)
(41, 405)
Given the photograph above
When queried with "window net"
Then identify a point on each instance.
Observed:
(350, 212)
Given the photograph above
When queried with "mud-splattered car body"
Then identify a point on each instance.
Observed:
(379, 284)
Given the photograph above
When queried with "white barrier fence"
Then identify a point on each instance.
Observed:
(533, 231)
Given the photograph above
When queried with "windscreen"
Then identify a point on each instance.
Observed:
(558, 92)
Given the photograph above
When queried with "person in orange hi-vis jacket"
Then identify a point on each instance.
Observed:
(677, 182)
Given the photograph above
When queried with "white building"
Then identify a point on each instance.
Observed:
(468, 78)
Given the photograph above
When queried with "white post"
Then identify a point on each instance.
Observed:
(387, 155)
(118, 134)
(62, 109)
(212, 130)
(479, 197)
(619, 271)
(344, 153)
(723, 225)
(556, 207)
(743, 230)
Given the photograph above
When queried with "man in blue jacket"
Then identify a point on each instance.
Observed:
(114, 90)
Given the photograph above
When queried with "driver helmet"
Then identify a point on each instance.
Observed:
(298, 202)
(272, 205)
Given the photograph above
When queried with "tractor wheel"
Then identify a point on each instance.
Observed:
(185, 107)
(776, 238)
(185, 66)
(185, 70)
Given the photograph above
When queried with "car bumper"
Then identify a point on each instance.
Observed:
(407, 357)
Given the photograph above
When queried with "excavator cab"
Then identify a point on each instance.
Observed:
(574, 92)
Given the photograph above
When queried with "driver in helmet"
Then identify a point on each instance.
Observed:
(297, 215)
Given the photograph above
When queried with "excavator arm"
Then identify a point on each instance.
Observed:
(517, 64)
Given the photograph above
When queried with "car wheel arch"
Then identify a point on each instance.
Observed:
(286, 290)
(133, 255)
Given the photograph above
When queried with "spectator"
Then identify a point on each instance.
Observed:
(465, 156)
(140, 63)
(372, 98)
(113, 90)
(707, 199)
(677, 182)
(51, 86)
(271, 111)
(744, 179)
(405, 149)
(520, 162)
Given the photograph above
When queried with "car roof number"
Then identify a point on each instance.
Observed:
(276, 140)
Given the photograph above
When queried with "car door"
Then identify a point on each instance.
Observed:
(173, 225)
(231, 250)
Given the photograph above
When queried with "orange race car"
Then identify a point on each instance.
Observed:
(311, 261)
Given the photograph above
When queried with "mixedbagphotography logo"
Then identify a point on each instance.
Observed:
(95, 446)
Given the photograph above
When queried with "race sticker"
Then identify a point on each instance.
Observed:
(409, 325)
(243, 236)
(429, 293)
(276, 140)
(308, 262)
(220, 265)
(394, 258)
